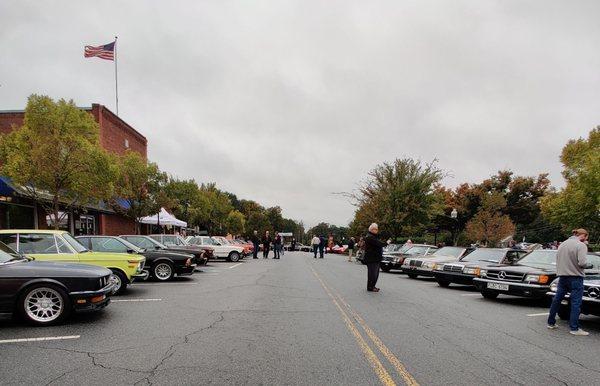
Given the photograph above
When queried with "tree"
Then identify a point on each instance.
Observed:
(235, 223)
(139, 185)
(489, 225)
(57, 158)
(578, 204)
(257, 221)
(210, 208)
(183, 194)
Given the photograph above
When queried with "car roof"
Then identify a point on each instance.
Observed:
(44, 231)
(93, 236)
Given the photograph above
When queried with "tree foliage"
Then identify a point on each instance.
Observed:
(489, 225)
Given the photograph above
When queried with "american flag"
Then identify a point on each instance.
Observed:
(106, 51)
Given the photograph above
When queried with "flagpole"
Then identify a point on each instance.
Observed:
(116, 79)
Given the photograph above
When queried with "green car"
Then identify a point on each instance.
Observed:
(60, 246)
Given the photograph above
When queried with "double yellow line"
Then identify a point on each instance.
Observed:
(348, 315)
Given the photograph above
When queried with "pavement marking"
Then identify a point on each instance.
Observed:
(136, 300)
(40, 339)
(540, 314)
(233, 266)
(381, 372)
(471, 294)
(161, 284)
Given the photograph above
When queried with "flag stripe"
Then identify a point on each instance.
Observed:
(106, 51)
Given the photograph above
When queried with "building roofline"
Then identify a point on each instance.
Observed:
(115, 116)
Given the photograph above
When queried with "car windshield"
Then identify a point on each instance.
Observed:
(129, 245)
(76, 245)
(450, 252)
(7, 254)
(417, 250)
(485, 254)
(539, 257)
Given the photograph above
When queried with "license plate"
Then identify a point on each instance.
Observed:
(497, 286)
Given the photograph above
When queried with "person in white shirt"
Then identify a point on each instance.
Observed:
(315, 244)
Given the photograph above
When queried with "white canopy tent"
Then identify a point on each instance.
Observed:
(163, 218)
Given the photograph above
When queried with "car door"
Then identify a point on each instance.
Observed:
(47, 247)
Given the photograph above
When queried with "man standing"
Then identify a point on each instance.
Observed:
(255, 242)
(372, 257)
(315, 244)
(571, 260)
(293, 245)
(277, 246)
(322, 243)
(350, 248)
(266, 241)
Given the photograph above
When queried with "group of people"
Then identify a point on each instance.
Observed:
(267, 241)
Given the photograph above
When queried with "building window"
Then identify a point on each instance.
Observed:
(126, 143)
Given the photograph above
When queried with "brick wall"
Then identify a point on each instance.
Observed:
(114, 225)
(10, 119)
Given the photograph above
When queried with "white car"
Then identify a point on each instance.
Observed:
(222, 249)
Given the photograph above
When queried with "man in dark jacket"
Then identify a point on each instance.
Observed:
(372, 257)
(322, 246)
(255, 242)
(277, 246)
(266, 241)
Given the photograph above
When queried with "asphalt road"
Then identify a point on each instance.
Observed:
(302, 321)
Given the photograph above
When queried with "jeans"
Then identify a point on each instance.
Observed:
(372, 275)
(266, 251)
(315, 250)
(574, 285)
(276, 251)
(255, 252)
(321, 251)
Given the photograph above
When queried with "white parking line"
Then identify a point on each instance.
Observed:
(40, 339)
(470, 295)
(233, 266)
(540, 314)
(160, 284)
(136, 300)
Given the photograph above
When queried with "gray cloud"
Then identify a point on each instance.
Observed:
(286, 102)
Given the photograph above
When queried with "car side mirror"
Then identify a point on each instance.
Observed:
(130, 251)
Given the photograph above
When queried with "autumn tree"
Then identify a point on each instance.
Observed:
(235, 223)
(489, 225)
(56, 157)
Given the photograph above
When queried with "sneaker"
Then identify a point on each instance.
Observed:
(579, 332)
(552, 327)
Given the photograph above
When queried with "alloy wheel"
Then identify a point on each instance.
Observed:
(163, 271)
(44, 305)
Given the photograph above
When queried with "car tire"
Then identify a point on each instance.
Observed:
(44, 304)
(412, 275)
(385, 269)
(233, 256)
(489, 294)
(163, 271)
(443, 283)
(564, 312)
(121, 280)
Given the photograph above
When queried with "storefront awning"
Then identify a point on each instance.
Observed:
(163, 218)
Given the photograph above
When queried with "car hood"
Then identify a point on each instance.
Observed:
(36, 269)
(438, 259)
(523, 269)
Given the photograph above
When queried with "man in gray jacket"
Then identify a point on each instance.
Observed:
(570, 263)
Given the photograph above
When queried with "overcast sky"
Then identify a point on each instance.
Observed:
(286, 102)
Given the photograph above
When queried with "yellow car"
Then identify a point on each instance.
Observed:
(60, 246)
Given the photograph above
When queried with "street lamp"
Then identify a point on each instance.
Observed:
(454, 216)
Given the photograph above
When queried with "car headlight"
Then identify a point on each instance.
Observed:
(439, 267)
(429, 265)
(471, 271)
(554, 285)
(483, 273)
(542, 279)
(406, 262)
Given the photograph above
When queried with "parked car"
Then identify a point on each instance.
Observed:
(338, 249)
(178, 244)
(468, 267)
(529, 277)
(148, 243)
(226, 251)
(45, 293)
(60, 246)
(425, 265)
(591, 297)
(248, 246)
(395, 259)
(162, 265)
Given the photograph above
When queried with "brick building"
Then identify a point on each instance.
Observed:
(18, 211)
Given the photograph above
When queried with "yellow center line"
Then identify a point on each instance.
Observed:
(387, 353)
(381, 372)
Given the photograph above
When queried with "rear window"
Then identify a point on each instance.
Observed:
(40, 243)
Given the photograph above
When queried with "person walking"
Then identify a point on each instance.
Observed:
(266, 241)
(277, 246)
(255, 243)
(293, 245)
(322, 243)
(571, 259)
(315, 244)
(351, 244)
(373, 256)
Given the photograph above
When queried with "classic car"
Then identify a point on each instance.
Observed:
(469, 266)
(590, 304)
(529, 277)
(177, 243)
(45, 293)
(222, 250)
(248, 246)
(425, 265)
(60, 246)
(162, 265)
(394, 255)
(148, 243)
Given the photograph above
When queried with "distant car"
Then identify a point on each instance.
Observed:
(178, 244)
(162, 265)
(393, 260)
(221, 249)
(60, 246)
(591, 297)
(469, 267)
(425, 265)
(45, 293)
(338, 249)
(529, 277)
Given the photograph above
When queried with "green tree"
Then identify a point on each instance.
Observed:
(57, 158)
(489, 225)
(235, 223)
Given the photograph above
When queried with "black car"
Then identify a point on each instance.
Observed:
(45, 293)
(469, 266)
(149, 244)
(161, 265)
(178, 244)
(390, 255)
(425, 265)
(591, 296)
(529, 277)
